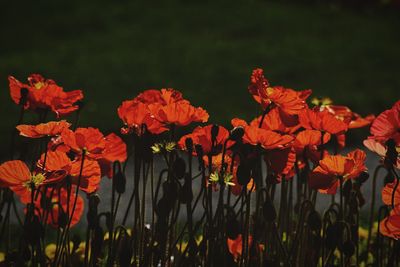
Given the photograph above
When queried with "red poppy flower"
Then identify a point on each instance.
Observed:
(321, 121)
(90, 174)
(135, 114)
(325, 176)
(379, 149)
(387, 193)
(387, 125)
(281, 162)
(202, 136)
(46, 94)
(59, 199)
(51, 128)
(178, 113)
(390, 226)
(16, 175)
(266, 138)
(235, 245)
(90, 140)
(278, 121)
(164, 96)
(288, 100)
(309, 139)
(345, 114)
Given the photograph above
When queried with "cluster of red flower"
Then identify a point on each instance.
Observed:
(291, 136)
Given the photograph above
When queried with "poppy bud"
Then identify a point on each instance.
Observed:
(189, 145)
(214, 132)
(391, 153)
(236, 134)
(179, 168)
(362, 178)
(314, 221)
(119, 181)
(24, 96)
(243, 174)
(388, 179)
(269, 212)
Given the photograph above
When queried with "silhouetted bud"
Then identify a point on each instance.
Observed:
(388, 179)
(391, 153)
(236, 133)
(362, 178)
(179, 168)
(189, 145)
(119, 181)
(243, 174)
(108, 220)
(76, 240)
(314, 221)
(269, 212)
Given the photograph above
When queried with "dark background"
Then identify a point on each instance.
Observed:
(114, 50)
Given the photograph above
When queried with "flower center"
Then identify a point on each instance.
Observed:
(39, 85)
(35, 180)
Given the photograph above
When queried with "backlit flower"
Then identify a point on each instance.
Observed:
(45, 94)
(288, 100)
(387, 125)
(52, 128)
(257, 136)
(16, 175)
(325, 177)
(202, 136)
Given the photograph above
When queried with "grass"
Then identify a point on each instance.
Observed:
(114, 50)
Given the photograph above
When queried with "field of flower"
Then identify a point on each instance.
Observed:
(214, 200)
(116, 49)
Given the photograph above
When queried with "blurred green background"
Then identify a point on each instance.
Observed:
(114, 50)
